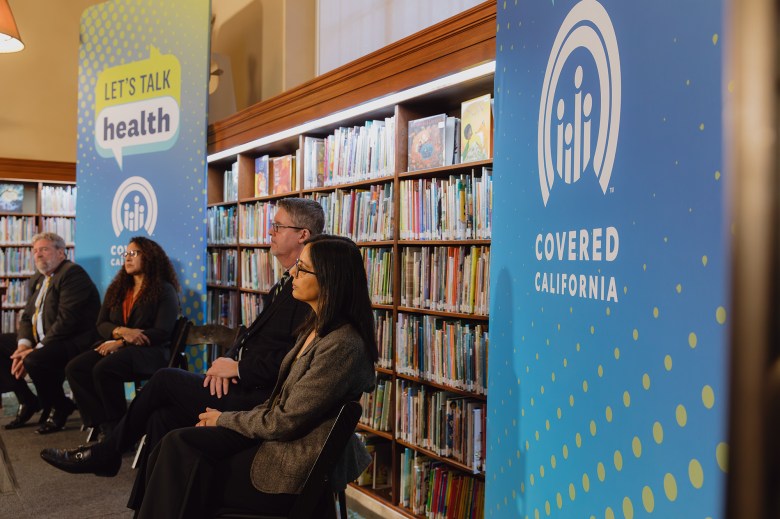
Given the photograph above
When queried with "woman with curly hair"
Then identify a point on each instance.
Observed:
(135, 325)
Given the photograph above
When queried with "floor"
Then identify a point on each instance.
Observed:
(31, 489)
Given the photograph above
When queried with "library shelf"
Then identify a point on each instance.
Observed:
(406, 81)
(449, 461)
(47, 203)
(222, 287)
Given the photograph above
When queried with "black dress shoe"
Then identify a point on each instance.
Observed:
(83, 460)
(23, 415)
(57, 419)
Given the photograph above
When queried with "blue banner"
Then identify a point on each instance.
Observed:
(141, 168)
(609, 319)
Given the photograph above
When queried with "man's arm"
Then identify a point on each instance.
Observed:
(77, 295)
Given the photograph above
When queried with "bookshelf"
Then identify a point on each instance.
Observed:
(427, 270)
(41, 197)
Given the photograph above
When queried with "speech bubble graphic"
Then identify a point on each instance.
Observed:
(137, 106)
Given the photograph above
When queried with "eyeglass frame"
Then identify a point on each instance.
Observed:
(299, 269)
(131, 253)
(276, 226)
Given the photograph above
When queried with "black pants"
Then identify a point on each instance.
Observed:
(8, 382)
(46, 367)
(197, 470)
(98, 382)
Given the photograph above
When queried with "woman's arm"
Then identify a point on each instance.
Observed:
(159, 332)
(107, 322)
(339, 370)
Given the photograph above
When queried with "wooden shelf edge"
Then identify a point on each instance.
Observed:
(449, 461)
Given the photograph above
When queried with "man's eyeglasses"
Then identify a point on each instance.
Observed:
(131, 253)
(300, 268)
(276, 226)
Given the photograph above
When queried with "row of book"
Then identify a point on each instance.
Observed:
(256, 219)
(276, 175)
(58, 200)
(456, 208)
(251, 306)
(222, 225)
(230, 184)
(383, 320)
(443, 422)
(377, 474)
(377, 405)
(431, 489)
(259, 269)
(222, 267)
(222, 307)
(360, 214)
(441, 140)
(448, 352)
(379, 270)
(17, 230)
(65, 227)
(16, 293)
(9, 320)
(446, 279)
(350, 154)
(16, 261)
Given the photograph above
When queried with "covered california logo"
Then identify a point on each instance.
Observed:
(137, 106)
(134, 207)
(579, 112)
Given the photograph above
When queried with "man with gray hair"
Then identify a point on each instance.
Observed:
(57, 323)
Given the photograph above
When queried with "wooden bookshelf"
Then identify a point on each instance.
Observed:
(38, 179)
(279, 127)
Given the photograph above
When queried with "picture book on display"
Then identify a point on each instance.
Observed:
(11, 198)
(283, 169)
(426, 142)
(476, 129)
(261, 176)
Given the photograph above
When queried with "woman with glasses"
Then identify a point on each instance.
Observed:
(258, 460)
(135, 325)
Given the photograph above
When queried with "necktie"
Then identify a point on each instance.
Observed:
(37, 319)
(280, 285)
(275, 291)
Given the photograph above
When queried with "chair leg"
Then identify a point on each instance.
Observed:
(139, 450)
(342, 504)
(92, 433)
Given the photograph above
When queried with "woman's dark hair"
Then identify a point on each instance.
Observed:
(157, 270)
(344, 297)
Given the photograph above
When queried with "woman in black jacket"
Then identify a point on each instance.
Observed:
(135, 325)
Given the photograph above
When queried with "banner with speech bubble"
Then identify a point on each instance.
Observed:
(141, 166)
(609, 315)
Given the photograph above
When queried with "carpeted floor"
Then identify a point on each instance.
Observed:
(31, 489)
(39, 491)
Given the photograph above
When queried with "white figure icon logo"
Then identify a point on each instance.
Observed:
(567, 146)
(134, 207)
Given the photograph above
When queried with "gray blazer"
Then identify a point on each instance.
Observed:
(294, 422)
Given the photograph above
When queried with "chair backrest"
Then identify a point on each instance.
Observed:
(221, 337)
(316, 498)
(178, 341)
(317, 481)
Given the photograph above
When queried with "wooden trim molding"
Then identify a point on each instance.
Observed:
(455, 44)
(37, 170)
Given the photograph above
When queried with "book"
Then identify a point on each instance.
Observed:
(476, 129)
(11, 198)
(282, 174)
(426, 142)
(261, 176)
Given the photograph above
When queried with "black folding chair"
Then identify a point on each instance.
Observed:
(315, 500)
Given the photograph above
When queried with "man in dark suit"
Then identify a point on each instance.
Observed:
(57, 323)
(241, 380)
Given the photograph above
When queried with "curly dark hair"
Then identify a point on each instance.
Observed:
(157, 269)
